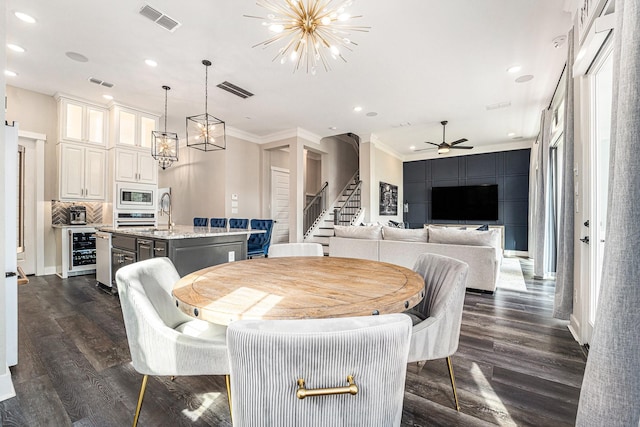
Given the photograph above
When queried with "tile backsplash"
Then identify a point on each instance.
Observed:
(60, 211)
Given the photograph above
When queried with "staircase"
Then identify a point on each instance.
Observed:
(348, 209)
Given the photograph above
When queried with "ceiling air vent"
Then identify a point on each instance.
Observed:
(159, 18)
(100, 82)
(231, 88)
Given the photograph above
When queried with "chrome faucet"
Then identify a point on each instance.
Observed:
(167, 211)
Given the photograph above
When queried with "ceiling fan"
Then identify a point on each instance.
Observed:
(444, 147)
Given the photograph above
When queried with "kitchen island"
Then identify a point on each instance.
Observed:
(190, 248)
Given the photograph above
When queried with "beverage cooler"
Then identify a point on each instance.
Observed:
(78, 251)
(83, 250)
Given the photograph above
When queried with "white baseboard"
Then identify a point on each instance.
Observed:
(574, 327)
(6, 386)
(50, 270)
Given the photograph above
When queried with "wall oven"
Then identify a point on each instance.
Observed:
(134, 219)
(136, 197)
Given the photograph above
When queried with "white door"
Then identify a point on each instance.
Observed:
(601, 89)
(10, 311)
(280, 205)
(27, 242)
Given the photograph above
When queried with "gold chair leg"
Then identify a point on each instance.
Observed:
(139, 407)
(453, 383)
(228, 380)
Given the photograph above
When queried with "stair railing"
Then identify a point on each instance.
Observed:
(315, 208)
(349, 208)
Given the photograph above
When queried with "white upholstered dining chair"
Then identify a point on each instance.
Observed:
(319, 372)
(438, 317)
(295, 249)
(162, 339)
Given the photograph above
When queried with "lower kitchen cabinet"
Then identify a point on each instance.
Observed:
(187, 254)
(148, 248)
(123, 252)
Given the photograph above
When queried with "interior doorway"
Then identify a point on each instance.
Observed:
(280, 205)
(26, 203)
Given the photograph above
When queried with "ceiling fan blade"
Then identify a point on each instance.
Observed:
(463, 148)
(437, 145)
(460, 141)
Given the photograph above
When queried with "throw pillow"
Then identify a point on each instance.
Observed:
(484, 227)
(373, 232)
(465, 237)
(405, 234)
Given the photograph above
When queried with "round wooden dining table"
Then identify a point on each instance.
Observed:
(297, 288)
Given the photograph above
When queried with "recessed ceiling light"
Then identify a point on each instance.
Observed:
(372, 114)
(109, 97)
(514, 69)
(75, 56)
(26, 18)
(151, 62)
(333, 127)
(524, 78)
(510, 134)
(10, 73)
(357, 109)
(412, 148)
(15, 48)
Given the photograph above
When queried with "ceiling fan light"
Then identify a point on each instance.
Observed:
(443, 150)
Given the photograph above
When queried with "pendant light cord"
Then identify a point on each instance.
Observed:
(166, 91)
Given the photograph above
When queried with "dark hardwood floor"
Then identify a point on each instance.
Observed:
(515, 365)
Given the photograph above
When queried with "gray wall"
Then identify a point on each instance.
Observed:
(508, 169)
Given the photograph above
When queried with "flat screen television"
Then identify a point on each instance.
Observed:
(470, 203)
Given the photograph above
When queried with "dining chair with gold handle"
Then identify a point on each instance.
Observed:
(270, 360)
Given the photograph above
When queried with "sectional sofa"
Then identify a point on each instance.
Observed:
(481, 250)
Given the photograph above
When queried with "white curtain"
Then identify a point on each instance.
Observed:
(563, 301)
(610, 393)
(540, 201)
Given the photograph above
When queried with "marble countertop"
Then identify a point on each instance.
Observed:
(178, 232)
(78, 226)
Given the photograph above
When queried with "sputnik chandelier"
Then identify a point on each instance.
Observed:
(314, 30)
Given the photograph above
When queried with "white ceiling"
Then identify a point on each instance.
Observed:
(422, 61)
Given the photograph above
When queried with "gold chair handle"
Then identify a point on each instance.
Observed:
(302, 392)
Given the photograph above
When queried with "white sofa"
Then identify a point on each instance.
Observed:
(482, 252)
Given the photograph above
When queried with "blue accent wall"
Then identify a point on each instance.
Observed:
(508, 169)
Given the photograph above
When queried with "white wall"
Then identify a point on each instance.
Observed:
(243, 178)
(202, 182)
(338, 165)
(37, 112)
(387, 168)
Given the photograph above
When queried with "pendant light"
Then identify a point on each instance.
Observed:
(205, 132)
(164, 145)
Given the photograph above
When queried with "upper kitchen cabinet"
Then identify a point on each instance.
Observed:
(134, 166)
(132, 128)
(82, 172)
(81, 121)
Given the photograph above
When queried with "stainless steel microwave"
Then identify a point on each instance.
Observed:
(136, 196)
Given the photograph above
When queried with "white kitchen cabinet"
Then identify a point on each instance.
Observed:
(135, 166)
(81, 121)
(82, 172)
(132, 128)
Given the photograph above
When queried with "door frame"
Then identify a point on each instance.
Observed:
(593, 270)
(39, 140)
